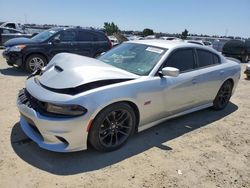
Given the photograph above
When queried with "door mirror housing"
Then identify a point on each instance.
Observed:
(170, 71)
(56, 41)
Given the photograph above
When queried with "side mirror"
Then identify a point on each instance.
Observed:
(170, 71)
(56, 41)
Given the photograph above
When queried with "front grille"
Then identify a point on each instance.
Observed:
(25, 98)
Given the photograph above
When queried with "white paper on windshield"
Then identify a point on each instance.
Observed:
(155, 50)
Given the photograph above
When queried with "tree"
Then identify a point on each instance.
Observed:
(147, 32)
(120, 37)
(184, 34)
(111, 28)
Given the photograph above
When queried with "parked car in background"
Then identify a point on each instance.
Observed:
(12, 25)
(8, 33)
(170, 38)
(247, 71)
(113, 40)
(238, 49)
(36, 52)
(77, 100)
(200, 42)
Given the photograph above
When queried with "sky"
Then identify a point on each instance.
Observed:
(212, 17)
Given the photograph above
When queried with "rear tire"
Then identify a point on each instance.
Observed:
(223, 96)
(112, 127)
(35, 62)
(244, 59)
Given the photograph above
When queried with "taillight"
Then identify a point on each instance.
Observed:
(109, 41)
(110, 44)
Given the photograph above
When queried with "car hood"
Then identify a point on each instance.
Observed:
(67, 70)
(18, 41)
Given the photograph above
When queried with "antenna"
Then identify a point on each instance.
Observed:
(226, 32)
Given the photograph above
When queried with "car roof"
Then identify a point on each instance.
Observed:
(83, 29)
(164, 43)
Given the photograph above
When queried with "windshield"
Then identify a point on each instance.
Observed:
(139, 59)
(44, 35)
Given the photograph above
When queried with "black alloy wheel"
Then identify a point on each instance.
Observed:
(223, 96)
(112, 127)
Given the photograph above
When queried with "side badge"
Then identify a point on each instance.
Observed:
(147, 103)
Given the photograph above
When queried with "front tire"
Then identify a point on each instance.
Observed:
(112, 127)
(223, 96)
(35, 62)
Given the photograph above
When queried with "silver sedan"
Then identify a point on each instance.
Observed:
(134, 86)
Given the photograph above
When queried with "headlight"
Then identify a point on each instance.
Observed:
(17, 48)
(67, 110)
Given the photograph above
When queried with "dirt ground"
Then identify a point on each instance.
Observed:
(203, 149)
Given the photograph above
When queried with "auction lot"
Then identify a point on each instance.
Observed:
(203, 149)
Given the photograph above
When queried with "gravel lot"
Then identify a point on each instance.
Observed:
(203, 149)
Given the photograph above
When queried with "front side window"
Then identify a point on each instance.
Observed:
(182, 60)
(206, 58)
(139, 59)
(67, 36)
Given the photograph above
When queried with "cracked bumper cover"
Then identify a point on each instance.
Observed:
(55, 134)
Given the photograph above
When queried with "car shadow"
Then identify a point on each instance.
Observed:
(14, 71)
(89, 160)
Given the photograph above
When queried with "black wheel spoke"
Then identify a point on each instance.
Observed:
(108, 120)
(116, 138)
(124, 126)
(111, 139)
(122, 132)
(124, 118)
(104, 130)
(105, 136)
(115, 128)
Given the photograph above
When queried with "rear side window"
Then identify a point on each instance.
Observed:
(206, 58)
(182, 60)
(68, 36)
(101, 37)
(86, 36)
(206, 43)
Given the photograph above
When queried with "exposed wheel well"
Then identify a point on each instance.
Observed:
(137, 113)
(231, 80)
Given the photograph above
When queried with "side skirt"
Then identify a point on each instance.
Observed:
(146, 126)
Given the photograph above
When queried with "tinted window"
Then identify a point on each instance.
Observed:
(206, 43)
(206, 58)
(216, 59)
(233, 46)
(101, 37)
(193, 42)
(11, 25)
(68, 36)
(86, 36)
(182, 60)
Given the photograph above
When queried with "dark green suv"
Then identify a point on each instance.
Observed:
(238, 49)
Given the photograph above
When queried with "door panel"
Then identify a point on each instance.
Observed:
(66, 42)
